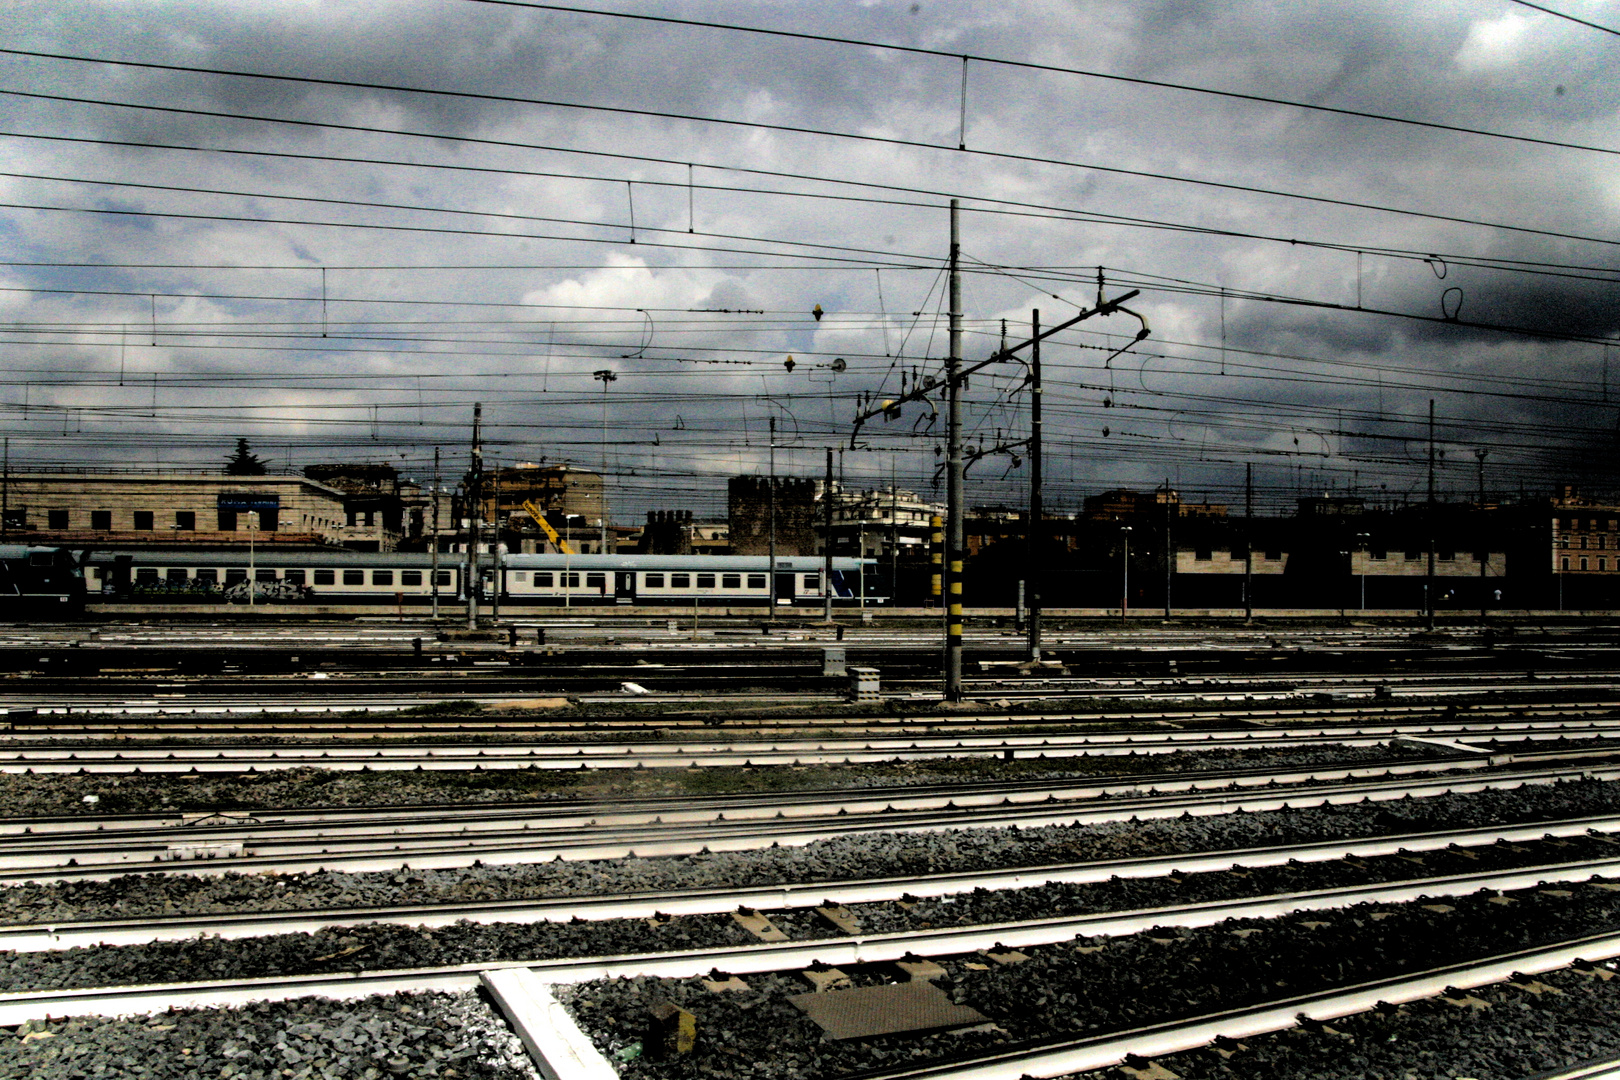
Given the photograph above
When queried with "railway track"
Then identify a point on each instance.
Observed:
(391, 840)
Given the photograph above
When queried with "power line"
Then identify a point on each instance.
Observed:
(1028, 65)
(1561, 15)
(1249, 189)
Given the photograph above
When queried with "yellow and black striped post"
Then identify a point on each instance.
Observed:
(936, 556)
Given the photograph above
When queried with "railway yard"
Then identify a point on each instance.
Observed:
(651, 847)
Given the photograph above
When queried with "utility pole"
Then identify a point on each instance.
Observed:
(1428, 578)
(1169, 549)
(770, 575)
(435, 560)
(826, 559)
(1248, 542)
(495, 547)
(954, 478)
(1037, 511)
(474, 510)
(1484, 536)
(606, 376)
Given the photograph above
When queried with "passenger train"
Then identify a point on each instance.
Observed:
(557, 580)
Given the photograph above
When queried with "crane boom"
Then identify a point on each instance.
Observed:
(545, 526)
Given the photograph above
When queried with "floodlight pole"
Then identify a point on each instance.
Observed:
(954, 479)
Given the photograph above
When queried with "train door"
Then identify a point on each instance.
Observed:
(624, 587)
(787, 587)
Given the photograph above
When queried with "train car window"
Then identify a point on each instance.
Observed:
(572, 582)
(39, 558)
(143, 521)
(756, 581)
(175, 573)
(382, 577)
(812, 583)
(354, 577)
(56, 519)
(235, 574)
(443, 577)
(655, 581)
(326, 577)
(731, 581)
(542, 580)
(680, 581)
(596, 581)
(293, 577)
(208, 573)
(264, 575)
(520, 576)
(410, 577)
(705, 581)
(146, 573)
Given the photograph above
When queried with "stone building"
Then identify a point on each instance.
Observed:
(754, 515)
(109, 509)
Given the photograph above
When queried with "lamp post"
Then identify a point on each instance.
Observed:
(253, 528)
(1124, 573)
(605, 376)
(1361, 545)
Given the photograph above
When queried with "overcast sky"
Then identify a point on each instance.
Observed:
(447, 202)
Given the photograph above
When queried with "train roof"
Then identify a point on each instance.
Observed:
(452, 560)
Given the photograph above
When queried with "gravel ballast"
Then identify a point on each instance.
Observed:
(376, 946)
(869, 855)
(447, 1036)
(1091, 986)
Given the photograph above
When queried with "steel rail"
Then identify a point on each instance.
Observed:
(41, 937)
(17, 1007)
(44, 863)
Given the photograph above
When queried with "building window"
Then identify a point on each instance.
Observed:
(208, 574)
(756, 581)
(731, 581)
(185, 520)
(143, 521)
(269, 520)
(542, 579)
(1600, 542)
(57, 519)
(1583, 564)
(414, 577)
(293, 577)
(680, 581)
(16, 517)
(101, 520)
(655, 581)
(326, 577)
(1274, 556)
(354, 577)
(227, 521)
(1583, 543)
(1204, 554)
(705, 581)
(1563, 564)
(1603, 564)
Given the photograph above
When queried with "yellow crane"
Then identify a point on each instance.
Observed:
(545, 526)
